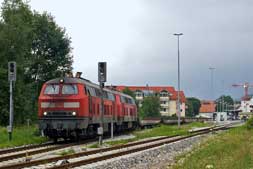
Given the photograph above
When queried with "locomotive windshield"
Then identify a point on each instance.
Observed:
(52, 89)
(69, 89)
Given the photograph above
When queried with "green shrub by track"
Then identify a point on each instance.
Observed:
(162, 130)
(21, 136)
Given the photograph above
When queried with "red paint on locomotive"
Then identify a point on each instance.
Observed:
(71, 107)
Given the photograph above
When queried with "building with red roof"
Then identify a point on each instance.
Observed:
(207, 108)
(167, 94)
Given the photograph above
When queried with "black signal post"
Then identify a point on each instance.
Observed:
(11, 78)
(102, 80)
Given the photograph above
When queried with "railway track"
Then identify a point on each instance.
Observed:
(126, 149)
(29, 147)
(76, 155)
(21, 152)
(37, 146)
(23, 148)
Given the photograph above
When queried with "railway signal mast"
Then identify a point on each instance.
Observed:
(11, 79)
(246, 87)
(101, 80)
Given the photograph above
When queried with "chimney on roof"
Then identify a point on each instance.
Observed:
(69, 74)
(78, 74)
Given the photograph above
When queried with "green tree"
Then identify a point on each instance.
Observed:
(222, 101)
(150, 107)
(14, 43)
(41, 50)
(193, 105)
(189, 109)
(128, 92)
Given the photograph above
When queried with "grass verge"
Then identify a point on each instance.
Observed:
(66, 152)
(229, 150)
(162, 130)
(20, 136)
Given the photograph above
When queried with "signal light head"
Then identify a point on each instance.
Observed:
(12, 71)
(12, 67)
(61, 80)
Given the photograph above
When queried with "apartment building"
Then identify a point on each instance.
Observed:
(167, 95)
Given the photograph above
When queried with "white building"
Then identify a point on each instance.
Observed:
(246, 105)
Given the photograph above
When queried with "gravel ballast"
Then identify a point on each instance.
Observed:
(159, 157)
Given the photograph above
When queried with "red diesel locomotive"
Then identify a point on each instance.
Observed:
(70, 107)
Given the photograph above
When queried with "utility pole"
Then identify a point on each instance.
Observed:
(11, 78)
(221, 104)
(234, 107)
(178, 79)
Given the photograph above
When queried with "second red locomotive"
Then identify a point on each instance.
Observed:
(70, 107)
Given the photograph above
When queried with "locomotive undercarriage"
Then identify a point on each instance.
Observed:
(78, 128)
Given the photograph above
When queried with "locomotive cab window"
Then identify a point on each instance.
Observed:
(69, 89)
(111, 97)
(52, 89)
(132, 101)
(122, 99)
(91, 91)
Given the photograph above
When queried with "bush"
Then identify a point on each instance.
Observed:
(249, 123)
(150, 107)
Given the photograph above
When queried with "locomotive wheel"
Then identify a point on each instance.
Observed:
(119, 128)
(55, 139)
(90, 131)
(74, 135)
(65, 139)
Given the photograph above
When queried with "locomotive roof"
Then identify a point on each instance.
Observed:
(83, 81)
(67, 80)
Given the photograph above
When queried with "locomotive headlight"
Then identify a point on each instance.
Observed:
(73, 113)
(45, 113)
(61, 80)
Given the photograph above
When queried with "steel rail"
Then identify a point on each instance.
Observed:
(125, 152)
(91, 152)
(29, 153)
(23, 148)
(53, 159)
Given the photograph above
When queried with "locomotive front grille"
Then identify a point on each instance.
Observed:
(60, 114)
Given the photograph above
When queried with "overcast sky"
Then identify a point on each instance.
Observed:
(135, 38)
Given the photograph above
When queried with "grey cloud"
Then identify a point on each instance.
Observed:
(136, 38)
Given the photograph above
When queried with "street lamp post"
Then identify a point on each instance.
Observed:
(212, 92)
(223, 103)
(234, 107)
(178, 78)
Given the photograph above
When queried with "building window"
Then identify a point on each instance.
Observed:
(148, 93)
(164, 93)
(138, 94)
(163, 102)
